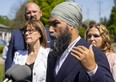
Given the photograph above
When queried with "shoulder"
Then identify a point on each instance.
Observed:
(111, 56)
(16, 31)
(44, 51)
(82, 42)
(16, 35)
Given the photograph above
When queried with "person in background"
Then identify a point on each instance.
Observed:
(71, 58)
(5, 49)
(4, 52)
(32, 11)
(98, 35)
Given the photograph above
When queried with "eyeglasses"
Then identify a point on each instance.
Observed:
(94, 35)
(30, 31)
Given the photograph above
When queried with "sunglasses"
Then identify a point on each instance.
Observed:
(94, 35)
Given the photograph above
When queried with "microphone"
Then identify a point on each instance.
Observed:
(9, 71)
(18, 72)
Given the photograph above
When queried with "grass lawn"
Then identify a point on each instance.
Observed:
(1, 72)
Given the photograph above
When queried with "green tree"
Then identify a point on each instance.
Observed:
(104, 21)
(112, 20)
(4, 20)
(82, 31)
(112, 24)
(19, 20)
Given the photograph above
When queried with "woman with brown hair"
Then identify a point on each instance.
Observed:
(98, 35)
(36, 54)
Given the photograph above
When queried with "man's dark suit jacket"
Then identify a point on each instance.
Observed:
(16, 43)
(73, 71)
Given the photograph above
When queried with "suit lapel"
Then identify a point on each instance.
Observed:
(66, 68)
(51, 67)
(69, 64)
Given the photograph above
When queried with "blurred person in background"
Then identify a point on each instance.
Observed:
(5, 49)
(98, 35)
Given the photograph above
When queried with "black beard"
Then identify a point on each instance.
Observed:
(60, 43)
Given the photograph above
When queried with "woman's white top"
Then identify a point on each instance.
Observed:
(40, 65)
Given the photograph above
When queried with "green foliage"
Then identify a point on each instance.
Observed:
(4, 20)
(1, 48)
(112, 30)
(112, 20)
(19, 20)
(104, 21)
(1, 72)
(112, 24)
(82, 31)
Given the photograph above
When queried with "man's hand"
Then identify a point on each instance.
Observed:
(85, 56)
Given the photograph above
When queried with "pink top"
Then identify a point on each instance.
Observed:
(112, 62)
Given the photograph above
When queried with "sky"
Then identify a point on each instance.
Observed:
(9, 7)
(91, 9)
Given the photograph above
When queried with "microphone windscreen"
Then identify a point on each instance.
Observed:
(9, 71)
(21, 73)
